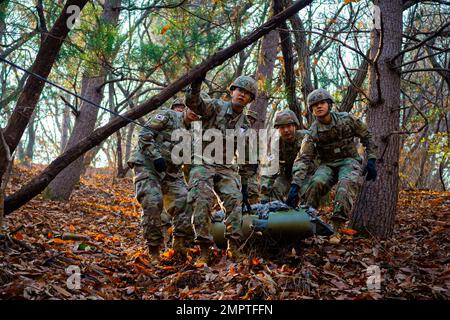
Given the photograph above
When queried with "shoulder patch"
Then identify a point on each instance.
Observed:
(160, 117)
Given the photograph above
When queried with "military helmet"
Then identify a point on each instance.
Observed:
(178, 101)
(285, 117)
(245, 82)
(252, 114)
(317, 96)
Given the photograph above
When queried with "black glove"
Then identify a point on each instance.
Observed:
(371, 170)
(160, 164)
(292, 198)
(254, 168)
(245, 203)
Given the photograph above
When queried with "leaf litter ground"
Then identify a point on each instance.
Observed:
(111, 257)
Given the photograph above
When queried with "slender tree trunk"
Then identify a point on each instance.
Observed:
(376, 206)
(264, 74)
(352, 92)
(443, 164)
(62, 186)
(65, 129)
(121, 169)
(5, 163)
(287, 49)
(89, 157)
(301, 46)
(128, 141)
(31, 141)
(42, 66)
(20, 154)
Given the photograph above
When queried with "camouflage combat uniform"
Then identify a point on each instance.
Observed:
(155, 190)
(276, 187)
(335, 146)
(206, 180)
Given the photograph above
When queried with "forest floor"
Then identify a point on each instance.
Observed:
(35, 261)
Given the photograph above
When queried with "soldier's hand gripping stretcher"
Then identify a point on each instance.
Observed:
(293, 198)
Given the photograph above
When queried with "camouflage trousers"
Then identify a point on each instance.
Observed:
(346, 173)
(253, 189)
(205, 183)
(278, 188)
(155, 191)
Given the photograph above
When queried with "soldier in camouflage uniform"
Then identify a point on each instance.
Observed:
(158, 182)
(178, 105)
(276, 187)
(331, 138)
(223, 179)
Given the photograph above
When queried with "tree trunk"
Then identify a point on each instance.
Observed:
(62, 186)
(289, 76)
(376, 205)
(31, 141)
(65, 129)
(301, 46)
(264, 74)
(42, 66)
(352, 92)
(41, 181)
(5, 164)
(121, 169)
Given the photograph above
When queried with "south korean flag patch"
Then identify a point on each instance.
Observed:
(160, 117)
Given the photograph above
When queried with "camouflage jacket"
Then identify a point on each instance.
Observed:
(218, 114)
(333, 142)
(287, 153)
(155, 142)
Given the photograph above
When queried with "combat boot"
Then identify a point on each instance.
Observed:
(154, 255)
(233, 250)
(179, 246)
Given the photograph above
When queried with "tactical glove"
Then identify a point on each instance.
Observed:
(371, 170)
(160, 164)
(245, 203)
(292, 198)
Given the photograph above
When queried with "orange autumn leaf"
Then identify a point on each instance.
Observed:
(59, 241)
(18, 236)
(348, 231)
(199, 264)
(100, 237)
(165, 28)
(168, 254)
(49, 235)
(194, 250)
(255, 261)
(72, 228)
(169, 268)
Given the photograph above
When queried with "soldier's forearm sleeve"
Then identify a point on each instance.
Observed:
(364, 134)
(194, 101)
(148, 145)
(304, 162)
(267, 185)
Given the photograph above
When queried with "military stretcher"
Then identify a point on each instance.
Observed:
(276, 220)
